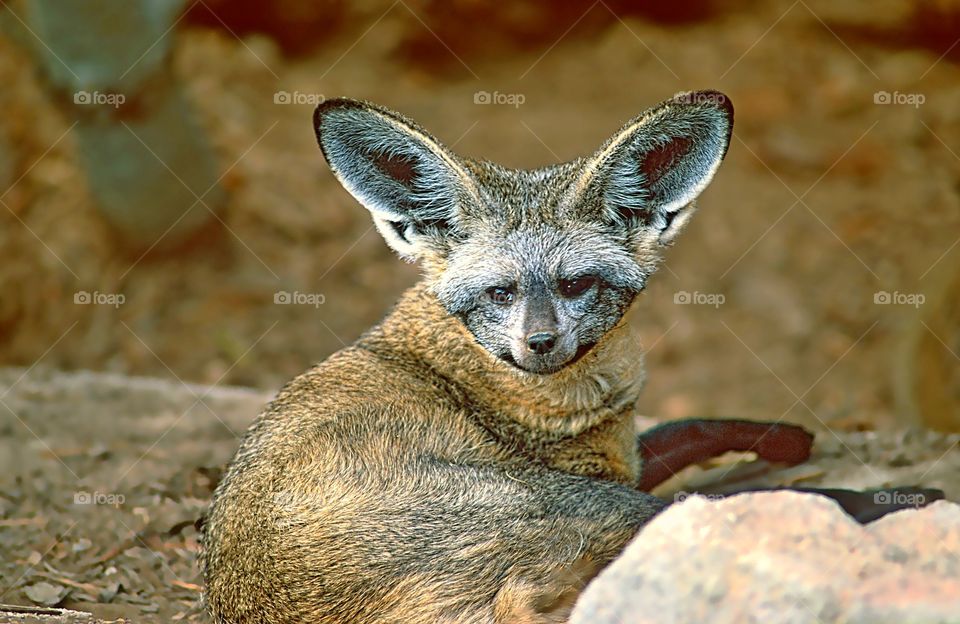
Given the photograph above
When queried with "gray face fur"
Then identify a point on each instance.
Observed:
(538, 264)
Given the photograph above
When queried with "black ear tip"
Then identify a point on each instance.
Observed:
(725, 103)
(714, 99)
(327, 105)
(317, 117)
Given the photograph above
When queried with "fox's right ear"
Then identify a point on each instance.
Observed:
(648, 175)
(412, 185)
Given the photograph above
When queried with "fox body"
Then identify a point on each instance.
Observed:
(473, 458)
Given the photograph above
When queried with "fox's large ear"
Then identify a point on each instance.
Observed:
(651, 171)
(411, 184)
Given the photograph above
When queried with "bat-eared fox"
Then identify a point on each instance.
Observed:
(473, 459)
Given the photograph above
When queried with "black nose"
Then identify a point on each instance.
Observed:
(541, 342)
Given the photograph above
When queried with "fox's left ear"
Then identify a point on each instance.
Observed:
(651, 171)
(414, 187)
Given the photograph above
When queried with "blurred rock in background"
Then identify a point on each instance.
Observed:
(148, 163)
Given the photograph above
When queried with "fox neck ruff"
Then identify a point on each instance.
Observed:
(601, 385)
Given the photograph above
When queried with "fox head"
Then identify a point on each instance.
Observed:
(537, 264)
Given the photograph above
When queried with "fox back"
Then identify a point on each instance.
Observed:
(473, 458)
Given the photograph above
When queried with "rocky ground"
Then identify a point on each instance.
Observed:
(104, 476)
(103, 479)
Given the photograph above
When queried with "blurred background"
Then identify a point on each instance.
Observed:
(167, 221)
(164, 210)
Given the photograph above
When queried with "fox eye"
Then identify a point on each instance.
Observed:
(501, 295)
(577, 286)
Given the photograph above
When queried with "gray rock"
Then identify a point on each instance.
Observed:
(782, 557)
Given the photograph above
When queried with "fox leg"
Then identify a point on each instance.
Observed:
(670, 447)
(425, 541)
(548, 532)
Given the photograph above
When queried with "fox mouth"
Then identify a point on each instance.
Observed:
(582, 350)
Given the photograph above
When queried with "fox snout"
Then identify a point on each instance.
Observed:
(546, 352)
(544, 337)
(540, 333)
(539, 322)
(541, 342)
